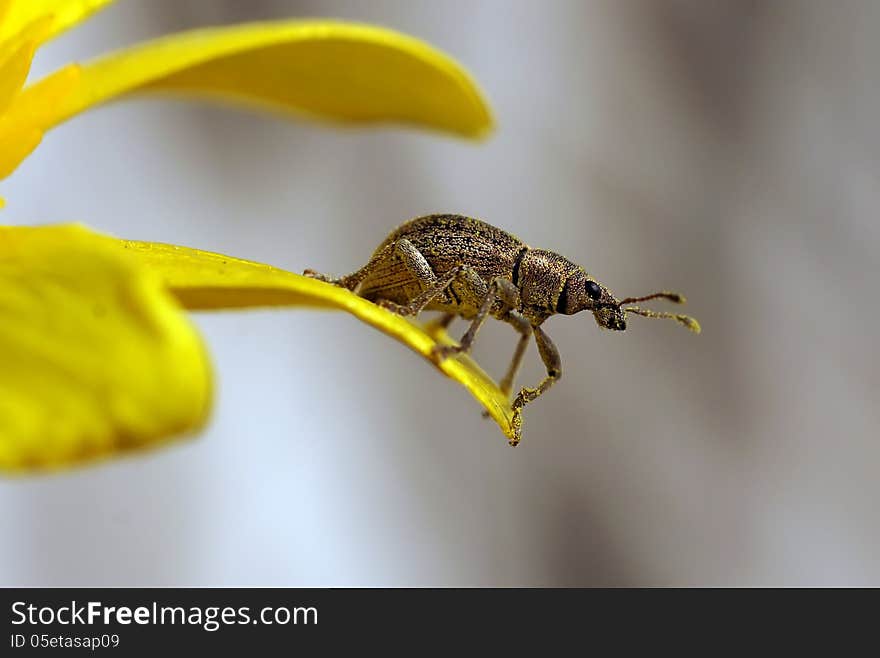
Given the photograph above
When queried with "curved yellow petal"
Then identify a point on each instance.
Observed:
(14, 68)
(325, 69)
(64, 14)
(18, 135)
(95, 355)
(35, 107)
(202, 280)
(15, 146)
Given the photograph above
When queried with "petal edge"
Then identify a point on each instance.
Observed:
(338, 71)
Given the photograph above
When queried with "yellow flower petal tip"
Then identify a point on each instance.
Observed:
(97, 357)
(203, 280)
(325, 69)
(465, 370)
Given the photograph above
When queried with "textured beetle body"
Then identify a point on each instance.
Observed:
(447, 241)
(470, 269)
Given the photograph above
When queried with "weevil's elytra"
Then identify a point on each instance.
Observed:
(470, 269)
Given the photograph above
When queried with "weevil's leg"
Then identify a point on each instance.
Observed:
(353, 280)
(438, 287)
(326, 278)
(412, 259)
(445, 320)
(441, 322)
(432, 286)
(438, 324)
(415, 263)
(550, 357)
(500, 289)
(524, 328)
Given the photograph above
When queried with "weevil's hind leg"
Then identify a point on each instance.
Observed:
(416, 264)
(432, 286)
(326, 278)
(353, 280)
(436, 289)
(412, 258)
(550, 357)
(499, 290)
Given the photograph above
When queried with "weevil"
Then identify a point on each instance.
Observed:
(467, 268)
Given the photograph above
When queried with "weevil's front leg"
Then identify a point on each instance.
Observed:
(550, 357)
(499, 290)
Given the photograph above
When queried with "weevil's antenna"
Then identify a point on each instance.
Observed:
(686, 320)
(665, 294)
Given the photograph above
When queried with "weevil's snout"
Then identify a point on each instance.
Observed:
(610, 317)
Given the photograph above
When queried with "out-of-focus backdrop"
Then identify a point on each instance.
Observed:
(730, 150)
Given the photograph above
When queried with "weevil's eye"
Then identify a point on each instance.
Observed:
(593, 290)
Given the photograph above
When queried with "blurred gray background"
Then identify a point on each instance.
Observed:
(726, 149)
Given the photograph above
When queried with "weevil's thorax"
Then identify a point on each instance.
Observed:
(541, 278)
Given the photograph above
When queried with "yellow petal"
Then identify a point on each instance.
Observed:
(325, 69)
(16, 54)
(202, 280)
(13, 71)
(64, 14)
(15, 146)
(97, 357)
(18, 136)
(36, 106)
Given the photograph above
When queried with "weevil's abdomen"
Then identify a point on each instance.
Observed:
(445, 241)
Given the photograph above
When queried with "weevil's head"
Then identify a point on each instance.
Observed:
(583, 293)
